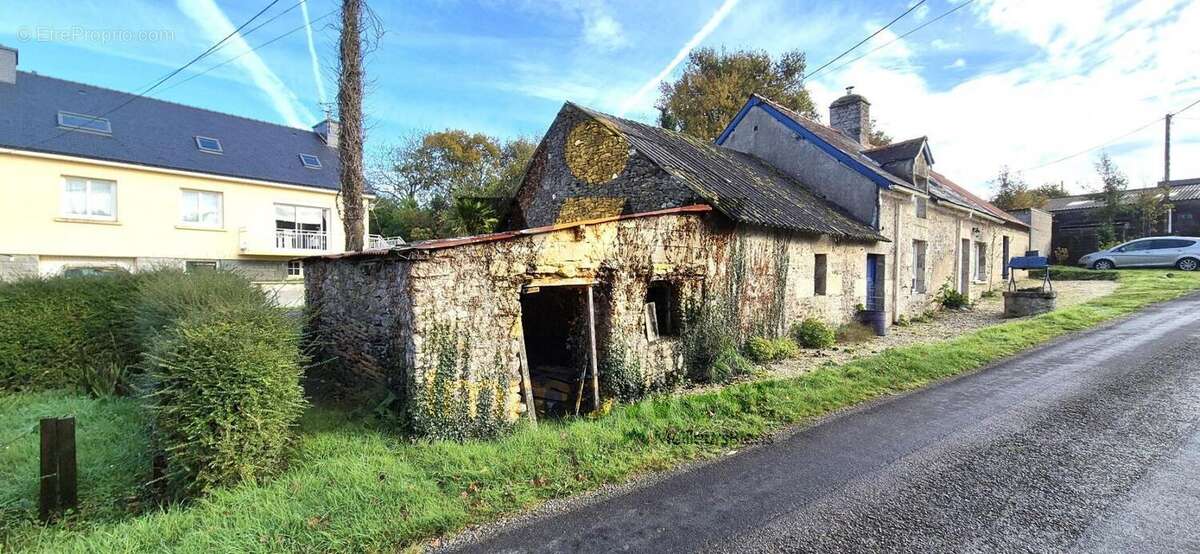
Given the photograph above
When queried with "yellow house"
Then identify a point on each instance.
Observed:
(93, 179)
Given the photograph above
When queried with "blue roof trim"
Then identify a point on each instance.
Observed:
(799, 129)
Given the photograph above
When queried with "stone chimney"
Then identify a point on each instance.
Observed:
(328, 130)
(851, 114)
(8, 65)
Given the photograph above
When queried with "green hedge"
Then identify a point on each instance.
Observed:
(167, 295)
(226, 395)
(1067, 273)
(813, 333)
(54, 332)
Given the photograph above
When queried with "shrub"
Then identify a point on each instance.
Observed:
(166, 295)
(55, 330)
(226, 393)
(813, 333)
(710, 343)
(760, 350)
(1062, 255)
(952, 299)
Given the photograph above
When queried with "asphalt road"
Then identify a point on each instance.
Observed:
(1088, 444)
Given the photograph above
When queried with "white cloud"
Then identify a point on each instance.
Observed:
(958, 64)
(602, 31)
(638, 99)
(921, 12)
(215, 26)
(1103, 72)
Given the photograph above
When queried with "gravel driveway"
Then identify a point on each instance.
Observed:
(946, 324)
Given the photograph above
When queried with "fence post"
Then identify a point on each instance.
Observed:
(57, 487)
(48, 485)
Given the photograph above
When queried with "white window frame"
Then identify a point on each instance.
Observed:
(64, 209)
(200, 145)
(299, 272)
(198, 223)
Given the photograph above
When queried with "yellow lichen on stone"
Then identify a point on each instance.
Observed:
(595, 153)
(584, 209)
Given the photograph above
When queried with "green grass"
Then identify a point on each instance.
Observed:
(353, 488)
(110, 448)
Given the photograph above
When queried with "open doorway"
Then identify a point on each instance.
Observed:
(558, 347)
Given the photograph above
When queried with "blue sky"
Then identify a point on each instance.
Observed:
(1016, 82)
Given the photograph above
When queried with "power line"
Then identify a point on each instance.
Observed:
(861, 42)
(1112, 140)
(239, 56)
(164, 79)
(913, 30)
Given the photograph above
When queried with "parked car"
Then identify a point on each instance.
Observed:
(1179, 252)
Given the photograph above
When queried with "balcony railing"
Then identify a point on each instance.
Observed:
(380, 242)
(301, 240)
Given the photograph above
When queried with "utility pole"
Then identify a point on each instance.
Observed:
(350, 138)
(1167, 151)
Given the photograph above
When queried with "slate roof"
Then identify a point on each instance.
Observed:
(941, 188)
(157, 133)
(741, 186)
(897, 151)
(1181, 190)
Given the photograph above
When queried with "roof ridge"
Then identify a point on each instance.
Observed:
(896, 144)
(173, 103)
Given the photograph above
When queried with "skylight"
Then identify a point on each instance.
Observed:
(310, 161)
(88, 123)
(210, 145)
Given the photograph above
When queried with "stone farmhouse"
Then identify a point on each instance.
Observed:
(622, 233)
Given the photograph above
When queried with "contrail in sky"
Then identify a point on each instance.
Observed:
(312, 53)
(702, 34)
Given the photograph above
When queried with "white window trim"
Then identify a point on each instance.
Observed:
(288, 270)
(87, 193)
(220, 147)
(200, 224)
(328, 217)
(980, 272)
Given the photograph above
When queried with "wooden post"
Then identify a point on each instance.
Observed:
(526, 381)
(48, 485)
(68, 497)
(592, 338)
(57, 487)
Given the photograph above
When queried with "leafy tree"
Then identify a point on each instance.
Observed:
(1111, 194)
(877, 136)
(1149, 208)
(714, 86)
(438, 184)
(1014, 193)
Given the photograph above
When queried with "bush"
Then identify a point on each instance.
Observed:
(226, 394)
(54, 331)
(813, 333)
(952, 299)
(763, 350)
(710, 343)
(854, 332)
(1075, 274)
(166, 295)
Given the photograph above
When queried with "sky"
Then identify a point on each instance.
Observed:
(1018, 83)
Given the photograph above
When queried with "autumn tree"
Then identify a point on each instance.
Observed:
(714, 86)
(444, 183)
(1014, 193)
(1111, 195)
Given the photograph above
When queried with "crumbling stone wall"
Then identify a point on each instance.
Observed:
(585, 170)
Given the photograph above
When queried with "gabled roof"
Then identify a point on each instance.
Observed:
(899, 151)
(859, 158)
(1182, 189)
(159, 134)
(742, 187)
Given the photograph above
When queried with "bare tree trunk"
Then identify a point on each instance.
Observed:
(350, 139)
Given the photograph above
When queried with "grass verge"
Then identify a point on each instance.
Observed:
(352, 488)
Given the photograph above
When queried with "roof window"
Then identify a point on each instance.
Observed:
(310, 161)
(208, 144)
(87, 123)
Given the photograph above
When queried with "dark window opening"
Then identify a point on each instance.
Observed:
(662, 311)
(203, 265)
(922, 207)
(554, 321)
(820, 269)
(1004, 258)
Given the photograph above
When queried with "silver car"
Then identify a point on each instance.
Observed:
(1179, 252)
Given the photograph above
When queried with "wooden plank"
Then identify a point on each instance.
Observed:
(595, 364)
(526, 382)
(67, 485)
(48, 483)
